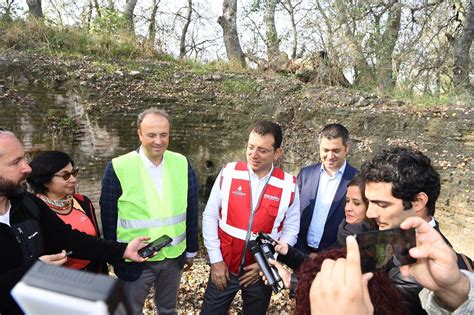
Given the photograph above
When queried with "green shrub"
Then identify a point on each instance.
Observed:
(110, 22)
(41, 35)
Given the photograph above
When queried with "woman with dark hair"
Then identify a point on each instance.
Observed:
(355, 220)
(385, 297)
(53, 180)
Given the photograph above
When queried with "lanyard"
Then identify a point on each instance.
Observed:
(252, 212)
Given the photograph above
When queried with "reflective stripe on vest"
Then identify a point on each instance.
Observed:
(175, 240)
(152, 223)
(143, 212)
(276, 197)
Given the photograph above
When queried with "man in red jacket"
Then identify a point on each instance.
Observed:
(247, 197)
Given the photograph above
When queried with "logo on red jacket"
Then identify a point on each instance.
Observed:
(239, 192)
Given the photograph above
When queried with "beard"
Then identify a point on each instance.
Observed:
(11, 189)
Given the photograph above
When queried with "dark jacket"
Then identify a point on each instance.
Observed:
(346, 229)
(294, 258)
(111, 192)
(308, 181)
(34, 231)
(94, 265)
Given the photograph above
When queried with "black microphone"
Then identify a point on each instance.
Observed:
(264, 266)
(268, 253)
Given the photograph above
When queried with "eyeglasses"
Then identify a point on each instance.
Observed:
(259, 149)
(68, 175)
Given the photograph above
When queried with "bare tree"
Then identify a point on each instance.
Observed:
(97, 7)
(363, 70)
(152, 25)
(271, 36)
(182, 41)
(128, 12)
(290, 8)
(8, 9)
(384, 52)
(34, 8)
(89, 13)
(228, 22)
(462, 45)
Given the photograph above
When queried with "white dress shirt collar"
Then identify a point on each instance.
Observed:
(339, 171)
(146, 160)
(255, 176)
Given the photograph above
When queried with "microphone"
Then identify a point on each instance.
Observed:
(264, 266)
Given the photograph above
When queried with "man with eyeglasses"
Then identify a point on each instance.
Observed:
(323, 188)
(247, 197)
(152, 190)
(29, 230)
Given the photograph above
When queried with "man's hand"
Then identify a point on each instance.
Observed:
(340, 287)
(219, 274)
(188, 264)
(281, 248)
(56, 259)
(250, 276)
(284, 273)
(131, 252)
(436, 265)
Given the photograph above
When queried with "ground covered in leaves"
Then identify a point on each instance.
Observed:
(193, 285)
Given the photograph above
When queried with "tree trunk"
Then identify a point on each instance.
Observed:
(8, 11)
(294, 34)
(228, 22)
(128, 12)
(182, 42)
(152, 26)
(462, 46)
(97, 7)
(34, 8)
(364, 72)
(384, 67)
(271, 35)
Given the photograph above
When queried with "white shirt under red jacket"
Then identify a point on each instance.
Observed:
(237, 195)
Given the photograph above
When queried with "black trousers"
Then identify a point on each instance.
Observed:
(256, 297)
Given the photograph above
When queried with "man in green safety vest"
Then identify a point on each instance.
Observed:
(153, 192)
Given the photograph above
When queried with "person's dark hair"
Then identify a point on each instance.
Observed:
(409, 171)
(152, 110)
(334, 131)
(266, 127)
(385, 297)
(359, 181)
(43, 168)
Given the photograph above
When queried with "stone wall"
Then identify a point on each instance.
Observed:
(444, 134)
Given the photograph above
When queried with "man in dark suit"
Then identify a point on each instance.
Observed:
(323, 189)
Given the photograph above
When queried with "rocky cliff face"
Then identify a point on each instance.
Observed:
(445, 134)
(88, 107)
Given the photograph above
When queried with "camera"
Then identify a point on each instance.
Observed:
(262, 249)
